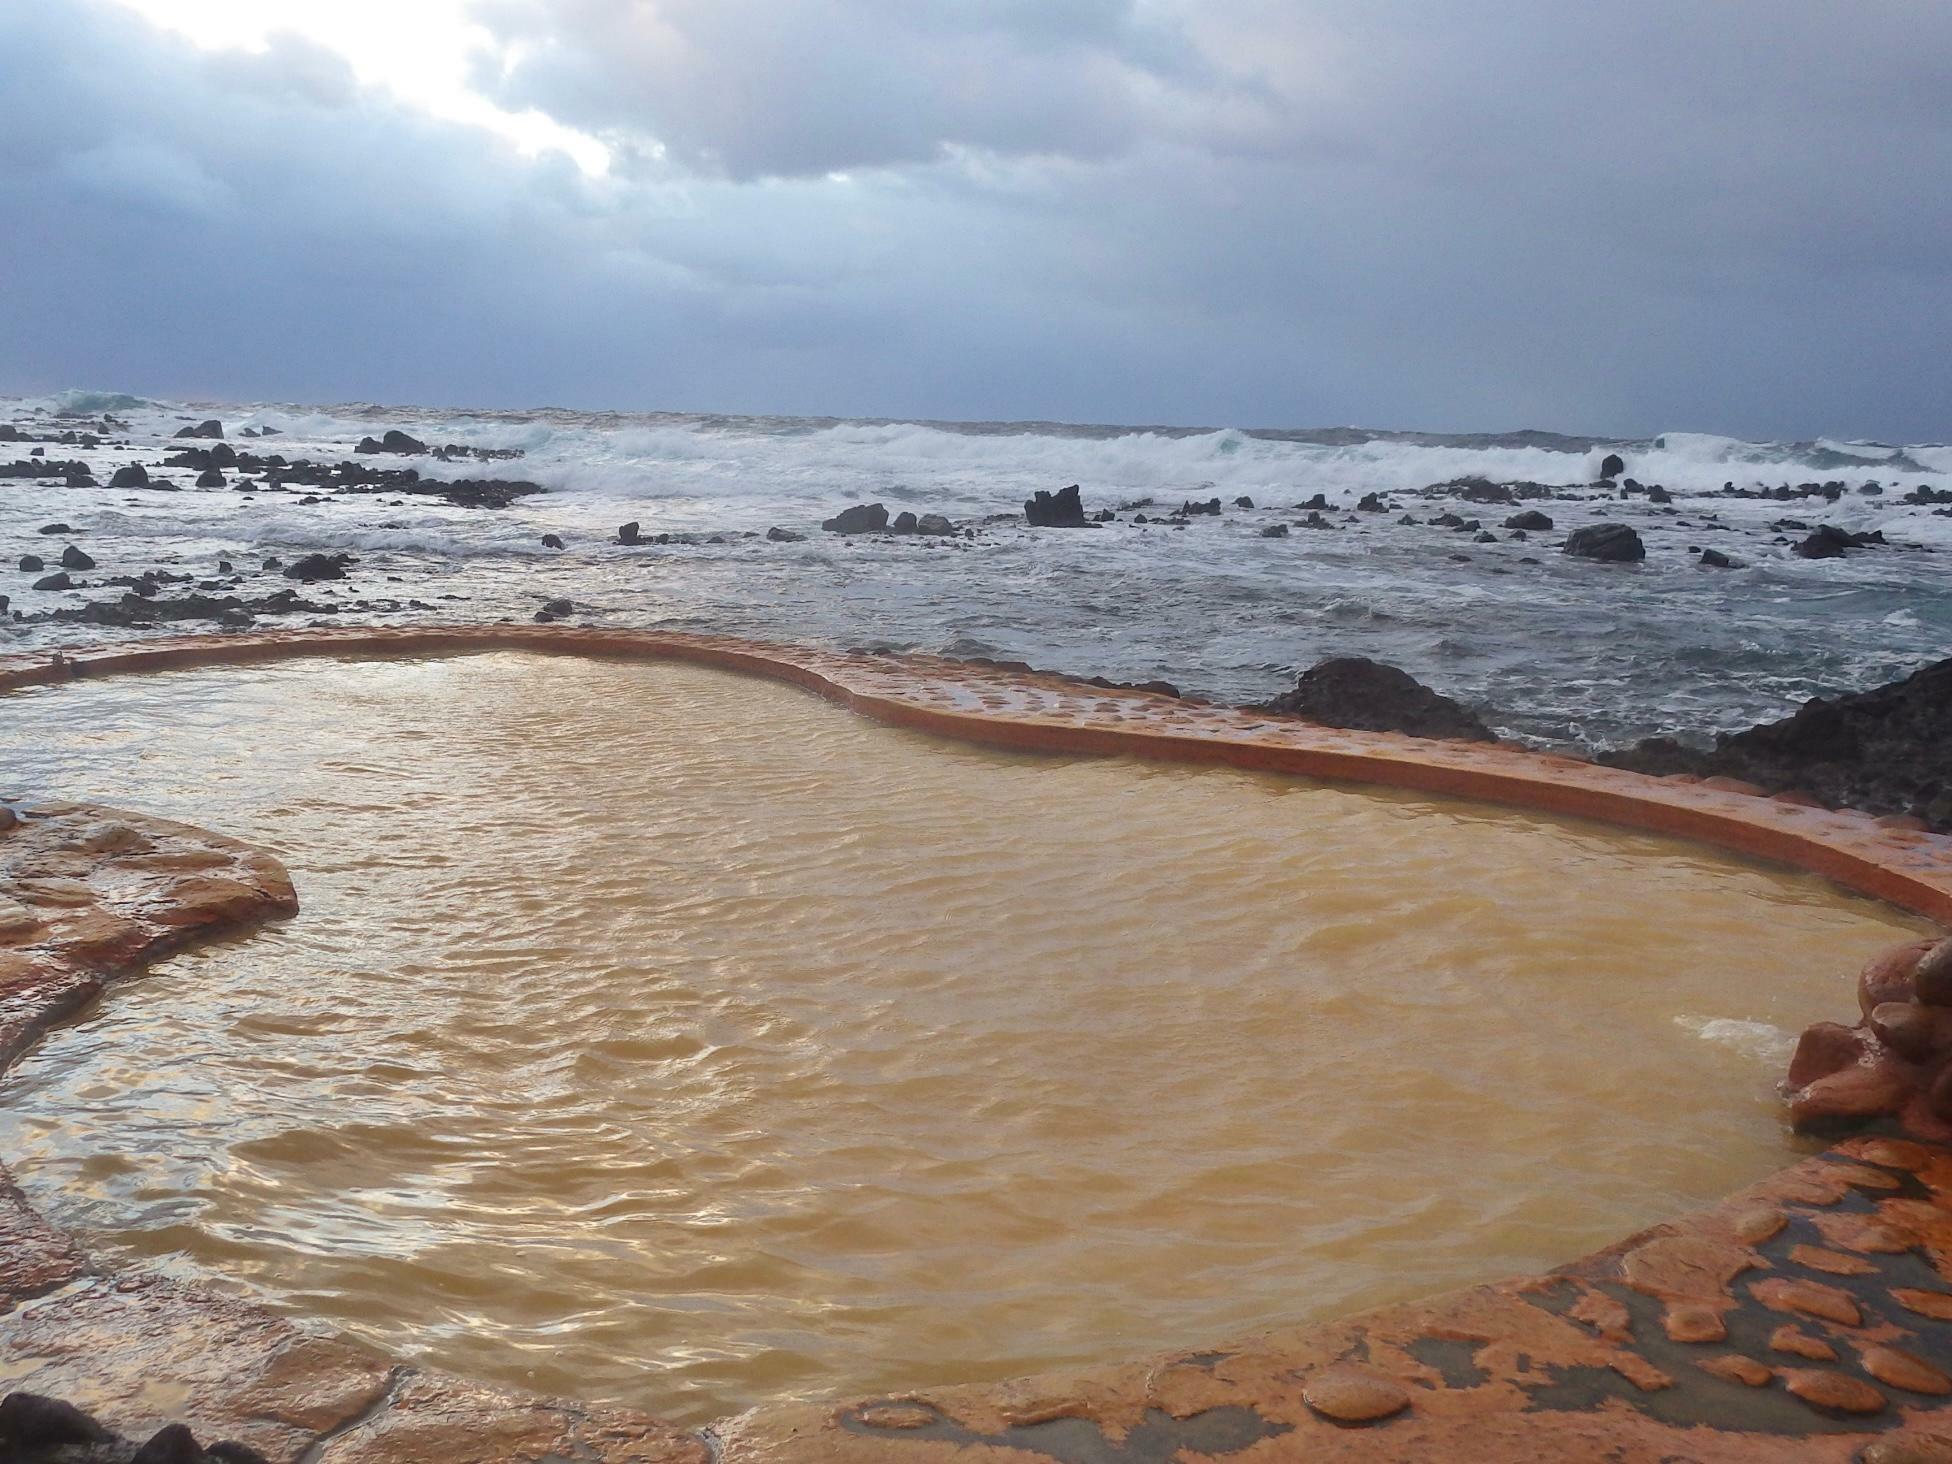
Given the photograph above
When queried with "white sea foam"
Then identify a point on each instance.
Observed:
(1761, 1042)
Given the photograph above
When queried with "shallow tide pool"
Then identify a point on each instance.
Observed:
(659, 1036)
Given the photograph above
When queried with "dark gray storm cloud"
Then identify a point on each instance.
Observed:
(1616, 217)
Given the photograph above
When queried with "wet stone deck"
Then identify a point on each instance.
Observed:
(1809, 1317)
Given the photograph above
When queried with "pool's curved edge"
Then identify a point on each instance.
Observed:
(1663, 1346)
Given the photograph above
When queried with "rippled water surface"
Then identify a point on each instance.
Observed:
(659, 1036)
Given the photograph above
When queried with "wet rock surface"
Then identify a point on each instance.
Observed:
(862, 518)
(1352, 691)
(1895, 1062)
(1888, 750)
(1063, 509)
(1608, 543)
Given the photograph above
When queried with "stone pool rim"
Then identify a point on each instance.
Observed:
(1605, 1339)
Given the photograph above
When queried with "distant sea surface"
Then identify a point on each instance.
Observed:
(1550, 648)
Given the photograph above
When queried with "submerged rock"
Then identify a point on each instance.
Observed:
(1366, 695)
(1888, 750)
(778, 535)
(1608, 543)
(1063, 509)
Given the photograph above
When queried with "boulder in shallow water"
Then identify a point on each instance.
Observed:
(1366, 695)
(211, 428)
(1608, 543)
(862, 518)
(32, 564)
(1827, 541)
(54, 582)
(210, 478)
(1715, 559)
(778, 535)
(314, 567)
(905, 522)
(630, 533)
(1531, 519)
(73, 558)
(135, 475)
(1611, 467)
(935, 524)
(394, 441)
(1063, 509)
(552, 541)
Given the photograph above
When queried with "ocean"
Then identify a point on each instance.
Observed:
(1549, 648)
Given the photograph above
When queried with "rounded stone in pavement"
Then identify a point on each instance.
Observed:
(1901, 1370)
(1735, 1368)
(1353, 1395)
(1835, 1391)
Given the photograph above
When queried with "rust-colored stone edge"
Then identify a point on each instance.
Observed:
(1033, 712)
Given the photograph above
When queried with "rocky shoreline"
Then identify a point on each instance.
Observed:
(1862, 754)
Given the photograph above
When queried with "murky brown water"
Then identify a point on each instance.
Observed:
(665, 1037)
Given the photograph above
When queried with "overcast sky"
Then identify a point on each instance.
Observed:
(1616, 216)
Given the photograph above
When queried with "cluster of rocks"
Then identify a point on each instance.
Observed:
(1887, 750)
(402, 444)
(40, 1430)
(275, 473)
(1897, 1059)
(872, 518)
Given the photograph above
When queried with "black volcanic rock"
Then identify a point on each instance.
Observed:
(1828, 541)
(211, 428)
(394, 441)
(1887, 750)
(1063, 509)
(135, 475)
(1608, 543)
(73, 558)
(39, 1430)
(1356, 692)
(1530, 519)
(862, 518)
(1611, 467)
(315, 567)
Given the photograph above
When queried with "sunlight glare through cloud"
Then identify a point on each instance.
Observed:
(420, 50)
